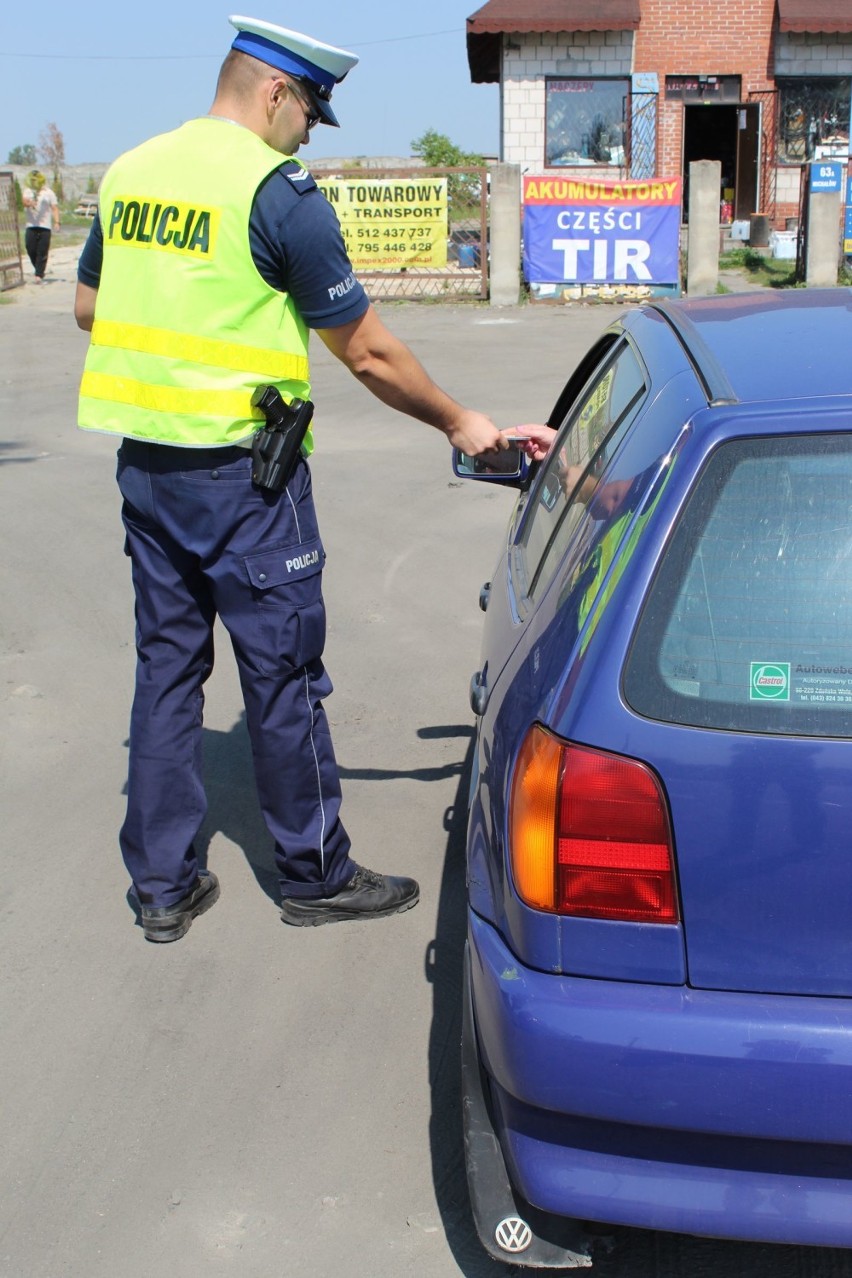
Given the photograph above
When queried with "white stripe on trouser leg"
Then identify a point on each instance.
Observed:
(295, 515)
(319, 778)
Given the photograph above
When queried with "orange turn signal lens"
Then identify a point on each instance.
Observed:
(533, 809)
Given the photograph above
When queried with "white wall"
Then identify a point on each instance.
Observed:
(804, 53)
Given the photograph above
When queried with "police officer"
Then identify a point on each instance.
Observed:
(212, 256)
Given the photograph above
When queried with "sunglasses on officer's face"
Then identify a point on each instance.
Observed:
(305, 99)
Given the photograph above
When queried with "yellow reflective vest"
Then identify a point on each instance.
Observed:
(185, 327)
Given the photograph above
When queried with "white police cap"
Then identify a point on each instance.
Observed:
(320, 66)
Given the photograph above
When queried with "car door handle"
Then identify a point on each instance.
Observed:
(479, 693)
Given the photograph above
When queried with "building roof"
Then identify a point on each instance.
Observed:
(486, 27)
(814, 15)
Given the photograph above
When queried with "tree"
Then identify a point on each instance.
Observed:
(51, 145)
(438, 152)
(25, 154)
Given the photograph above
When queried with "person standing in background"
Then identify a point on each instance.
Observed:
(42, 209)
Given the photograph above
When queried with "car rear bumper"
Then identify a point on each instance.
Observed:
(665, 1107)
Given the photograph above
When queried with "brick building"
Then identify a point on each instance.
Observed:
(640, 88)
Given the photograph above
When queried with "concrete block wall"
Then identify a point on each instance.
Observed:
(804, 53)
(787, 192)
(527, 59)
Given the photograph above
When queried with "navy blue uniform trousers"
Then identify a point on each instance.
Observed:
(204, 541)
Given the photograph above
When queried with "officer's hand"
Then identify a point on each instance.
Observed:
(474, 433)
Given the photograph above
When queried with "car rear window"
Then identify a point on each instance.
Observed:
(748, 623)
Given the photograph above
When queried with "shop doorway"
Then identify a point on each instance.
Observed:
(731, 135)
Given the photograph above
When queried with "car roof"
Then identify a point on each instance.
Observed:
(790, 344)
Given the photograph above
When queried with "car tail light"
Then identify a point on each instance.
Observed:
(589, 834)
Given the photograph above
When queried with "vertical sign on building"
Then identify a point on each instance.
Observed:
(826, 176)
(599, 232)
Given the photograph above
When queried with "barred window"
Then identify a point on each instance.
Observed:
(585, 122)
(813, 120)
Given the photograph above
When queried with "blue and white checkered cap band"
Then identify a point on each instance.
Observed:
(284, 60)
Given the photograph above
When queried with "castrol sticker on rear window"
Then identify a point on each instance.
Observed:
(770, 681)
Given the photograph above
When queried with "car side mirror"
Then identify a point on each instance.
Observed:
(510, 466)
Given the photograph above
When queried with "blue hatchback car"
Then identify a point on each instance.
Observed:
(658, 985)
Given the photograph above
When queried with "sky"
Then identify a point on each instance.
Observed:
(110, 75)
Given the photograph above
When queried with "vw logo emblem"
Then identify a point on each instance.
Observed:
(513, 1234)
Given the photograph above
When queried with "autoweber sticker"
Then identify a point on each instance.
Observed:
(818, 684)
(770, 681)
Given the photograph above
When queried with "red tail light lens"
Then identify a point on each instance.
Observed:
(589, 834)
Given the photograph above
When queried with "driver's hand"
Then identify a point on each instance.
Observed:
(537, 442)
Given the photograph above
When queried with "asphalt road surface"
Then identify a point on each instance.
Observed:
(255, 1100)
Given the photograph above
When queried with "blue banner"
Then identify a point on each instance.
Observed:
(601, 232)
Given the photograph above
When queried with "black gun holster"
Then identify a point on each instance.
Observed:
(276, 447)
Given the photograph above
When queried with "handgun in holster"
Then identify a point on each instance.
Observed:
(276, 447)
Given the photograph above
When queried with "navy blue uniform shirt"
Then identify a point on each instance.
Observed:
(296, 244)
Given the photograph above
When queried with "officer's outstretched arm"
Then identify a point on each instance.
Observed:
(388, 368)
(84, 306)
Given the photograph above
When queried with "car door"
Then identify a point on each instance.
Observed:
(558, 518)
(592, 415)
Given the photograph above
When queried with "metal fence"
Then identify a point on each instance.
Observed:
(11, 268)
(640, 159)
(802, 237)
(768, 179)
(459, 238)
